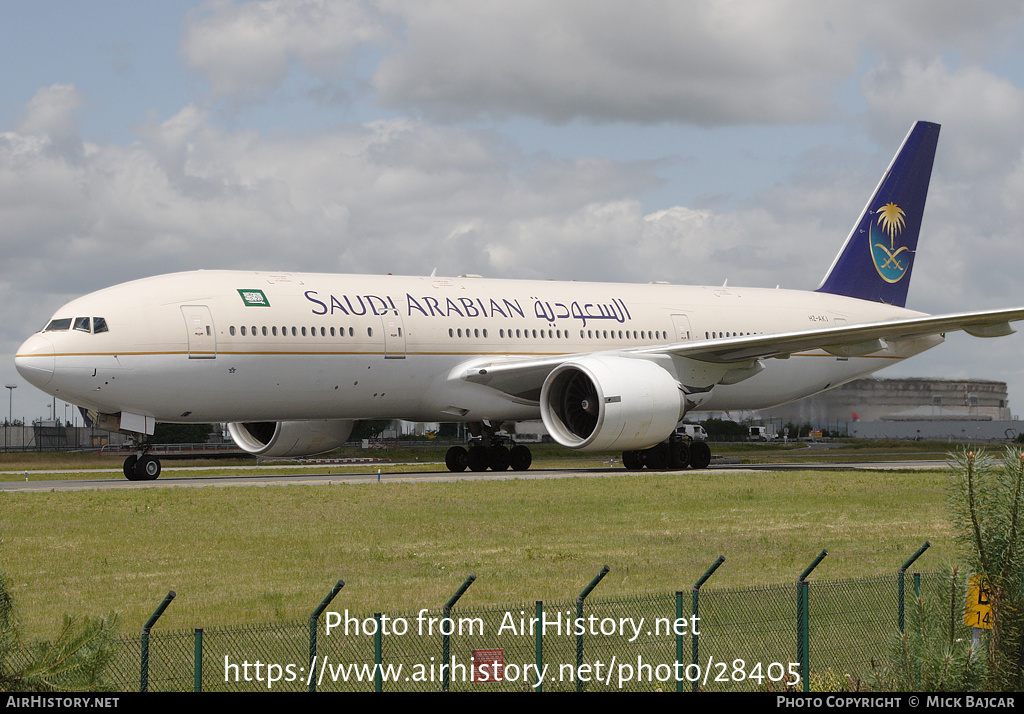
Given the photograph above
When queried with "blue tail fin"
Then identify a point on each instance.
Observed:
(876, 260)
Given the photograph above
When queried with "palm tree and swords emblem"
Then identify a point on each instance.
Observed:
(891, 221)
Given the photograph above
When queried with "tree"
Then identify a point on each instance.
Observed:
(931, 655)
(181, 433)
(987, 503)
(77, 660)
(723, 427)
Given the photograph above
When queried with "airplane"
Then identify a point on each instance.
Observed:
(290, 361)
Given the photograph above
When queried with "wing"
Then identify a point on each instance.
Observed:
(522, 378)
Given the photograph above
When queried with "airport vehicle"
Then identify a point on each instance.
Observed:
(761, 433)
(290, 361)
(693, 431)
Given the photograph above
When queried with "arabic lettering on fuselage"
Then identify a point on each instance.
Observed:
(429, 306)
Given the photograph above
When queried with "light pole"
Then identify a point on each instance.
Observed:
(10, 414)
(10, 406)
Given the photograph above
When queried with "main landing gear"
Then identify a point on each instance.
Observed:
(677, 454)
(488, 450)
(142, 467)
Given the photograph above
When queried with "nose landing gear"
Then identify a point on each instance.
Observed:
(142, 467)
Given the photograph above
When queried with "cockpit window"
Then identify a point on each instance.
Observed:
(94, 325)
(63, 323)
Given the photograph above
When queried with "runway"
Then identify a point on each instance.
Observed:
(293, 476)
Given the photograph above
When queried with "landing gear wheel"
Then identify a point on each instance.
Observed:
(700, 455)
(478, 458)
(658, 457)
(521, 458)
(633, 460)
(129, 468)
(680, 455)
(147, 468)
(455, 459)
(501, 458)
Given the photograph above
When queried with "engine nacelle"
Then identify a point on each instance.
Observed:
(609, 403)
(290, 438)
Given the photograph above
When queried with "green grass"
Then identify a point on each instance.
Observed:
(56, 465)
(254, 554)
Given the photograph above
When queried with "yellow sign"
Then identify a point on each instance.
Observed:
(978, 608)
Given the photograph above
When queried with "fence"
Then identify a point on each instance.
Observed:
(741, 640)
(52, 436)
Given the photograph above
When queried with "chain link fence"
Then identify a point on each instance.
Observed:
(744, 639)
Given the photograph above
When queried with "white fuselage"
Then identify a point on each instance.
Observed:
(223, 346)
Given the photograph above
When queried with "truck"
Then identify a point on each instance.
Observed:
(761, 433)
(694, 431)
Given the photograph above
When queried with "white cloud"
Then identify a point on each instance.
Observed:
(49, 116)
(981, 112)
(646, 62)
(245, 51)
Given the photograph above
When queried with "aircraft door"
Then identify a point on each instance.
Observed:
(202, 339)
(394, 337)
(682, 327)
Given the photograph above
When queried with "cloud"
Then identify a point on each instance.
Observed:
(606, 61)
(49, 116)
(655, 61)
(982, 113)
(245, 51)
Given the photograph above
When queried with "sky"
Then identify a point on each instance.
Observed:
(691, 142)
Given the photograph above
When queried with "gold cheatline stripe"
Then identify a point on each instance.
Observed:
(370, 354)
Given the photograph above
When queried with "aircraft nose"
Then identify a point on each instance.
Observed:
(35, 360)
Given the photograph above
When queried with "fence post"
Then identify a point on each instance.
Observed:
(313, 618)
(694, 636)
(902, 587)
(144, 667)
(579, 616)
(538, 638)
(378, 655)
(445, 643)
(197, 662)
(803, 621)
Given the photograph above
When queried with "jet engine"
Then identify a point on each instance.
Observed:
(290, 438)
(610, 403)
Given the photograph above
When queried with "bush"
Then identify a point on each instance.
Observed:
(987, 502)
(77, 660)
(935, 654)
